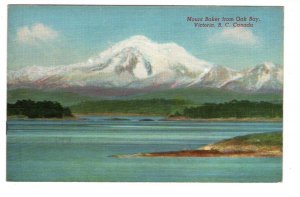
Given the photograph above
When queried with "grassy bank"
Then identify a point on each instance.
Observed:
(253, 145)
(262, 144)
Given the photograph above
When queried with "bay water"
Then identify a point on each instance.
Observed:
(83, 149)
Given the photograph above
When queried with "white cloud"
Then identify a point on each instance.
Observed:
(35, 34)
(239, 36)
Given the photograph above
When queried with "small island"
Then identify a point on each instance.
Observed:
(252, 145)
(38, 109)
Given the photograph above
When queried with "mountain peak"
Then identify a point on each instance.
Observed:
(137, 41)
(139, 38)
(266, 77)
(270, 65)
(161, 56)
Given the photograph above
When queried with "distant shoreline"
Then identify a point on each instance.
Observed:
(181, 118)
(77, 116)
(116, 114)
(26, 118)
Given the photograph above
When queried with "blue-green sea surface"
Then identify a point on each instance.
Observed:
(81, 150)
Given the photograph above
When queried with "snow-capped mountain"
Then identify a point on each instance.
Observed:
(217, 77)
(265, 77)
(139, 63)
(136, 62)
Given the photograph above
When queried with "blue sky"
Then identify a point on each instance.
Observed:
(61, 35)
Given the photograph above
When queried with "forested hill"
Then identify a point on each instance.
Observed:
(234, 109)
(137, 106)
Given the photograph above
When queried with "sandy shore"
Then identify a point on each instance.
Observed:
(204, 153)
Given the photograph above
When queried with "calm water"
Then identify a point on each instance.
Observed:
(81, 150)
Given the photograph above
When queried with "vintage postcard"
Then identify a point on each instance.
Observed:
(144, 93)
